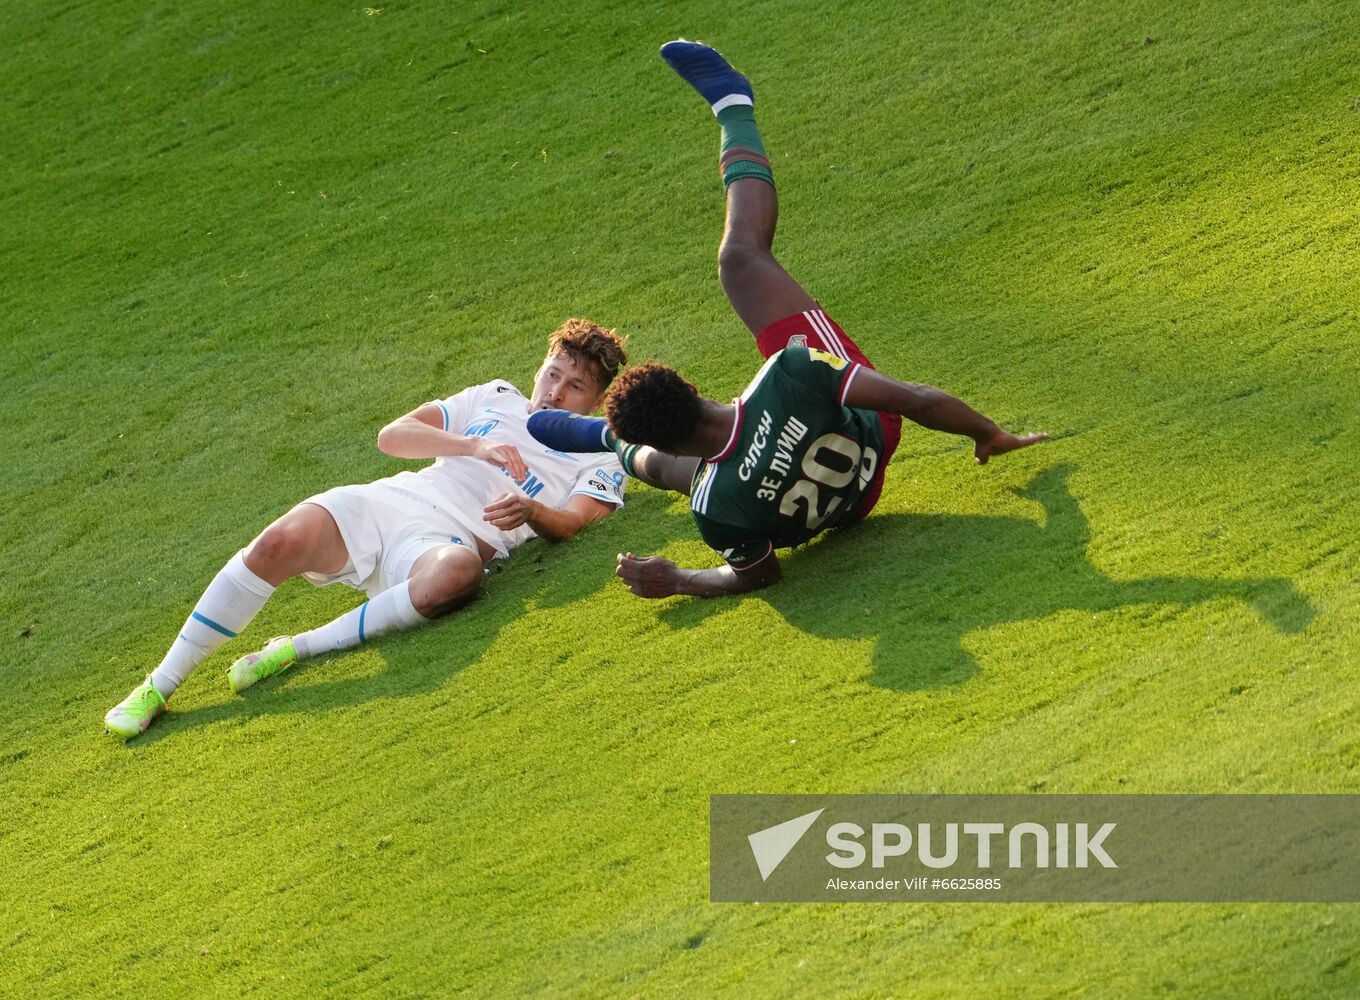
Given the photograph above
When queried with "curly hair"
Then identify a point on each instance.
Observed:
(651, 404)
(589, 343)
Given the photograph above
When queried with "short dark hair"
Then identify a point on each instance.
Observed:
(651, 404)
(591, 344)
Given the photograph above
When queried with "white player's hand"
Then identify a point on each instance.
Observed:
(508, 511)
(503, 456)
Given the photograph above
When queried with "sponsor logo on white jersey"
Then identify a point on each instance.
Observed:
(606, 482)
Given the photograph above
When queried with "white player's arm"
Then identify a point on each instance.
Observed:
(421, 434)
(655, 576)
(934, 409)
(556, 524)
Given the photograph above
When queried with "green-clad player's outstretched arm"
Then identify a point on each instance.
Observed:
(934, 409)
(655, 576)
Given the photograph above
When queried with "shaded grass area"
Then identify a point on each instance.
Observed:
(241, 242)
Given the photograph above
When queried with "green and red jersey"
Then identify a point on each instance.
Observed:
(798, 462)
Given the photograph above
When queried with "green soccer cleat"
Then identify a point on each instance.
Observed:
(277, 656)
(132, 716)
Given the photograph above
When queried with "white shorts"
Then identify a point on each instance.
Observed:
(387, 525)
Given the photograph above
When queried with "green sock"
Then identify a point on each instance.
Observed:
(742, 153)
(624, 450)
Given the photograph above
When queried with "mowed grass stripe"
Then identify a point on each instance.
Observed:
(1139, 246)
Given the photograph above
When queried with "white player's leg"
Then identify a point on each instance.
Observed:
(390, 611)
(305, 539)
(233, 598)
(444, 579)
(441, 581)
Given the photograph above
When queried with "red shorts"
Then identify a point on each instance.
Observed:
(817, 330)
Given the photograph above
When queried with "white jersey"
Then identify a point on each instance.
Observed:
(498, 412)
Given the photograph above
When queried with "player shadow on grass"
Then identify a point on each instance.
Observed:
(920, 583)
(915, 583)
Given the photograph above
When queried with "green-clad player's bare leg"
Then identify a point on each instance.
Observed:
(760, 290)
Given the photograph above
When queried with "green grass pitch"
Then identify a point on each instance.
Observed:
(238, 239)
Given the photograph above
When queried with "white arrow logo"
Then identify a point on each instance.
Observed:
(772, 845)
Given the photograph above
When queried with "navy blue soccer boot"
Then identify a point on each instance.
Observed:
(704, 68)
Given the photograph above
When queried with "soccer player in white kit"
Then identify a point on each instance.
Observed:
(416, 542)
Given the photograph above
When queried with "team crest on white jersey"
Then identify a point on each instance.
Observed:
(481, 430)
(493, 413)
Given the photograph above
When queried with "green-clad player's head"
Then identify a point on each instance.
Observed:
(652, 405)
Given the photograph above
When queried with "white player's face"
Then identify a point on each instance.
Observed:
(563, 383)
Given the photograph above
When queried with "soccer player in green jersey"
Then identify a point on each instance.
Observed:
(804, 448)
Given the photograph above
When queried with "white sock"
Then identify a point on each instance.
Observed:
(234, 597)
(392, 609)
